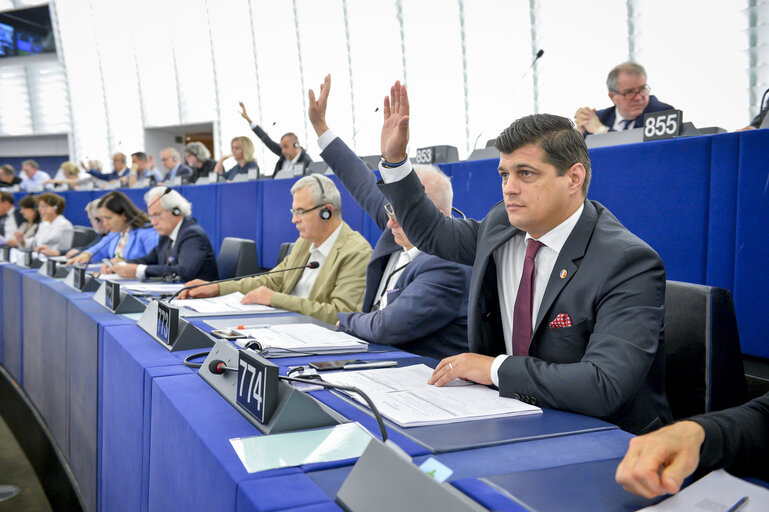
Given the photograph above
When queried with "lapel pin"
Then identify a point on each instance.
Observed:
(563, 273)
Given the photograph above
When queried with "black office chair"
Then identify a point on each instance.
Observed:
(82, 236)
(703, 362)
(285, 249)
(237, 257)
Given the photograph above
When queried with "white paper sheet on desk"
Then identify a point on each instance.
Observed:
(222, 304)
(116, 277)
(152, 288)
(285, 339)
(717, 491)
(404, 396)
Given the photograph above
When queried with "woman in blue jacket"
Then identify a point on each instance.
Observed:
(130, 235)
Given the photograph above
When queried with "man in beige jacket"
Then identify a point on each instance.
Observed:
(335, 286)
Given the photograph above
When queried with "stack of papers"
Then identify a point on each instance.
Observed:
(285, 340)
(222, 305)
(403, 396)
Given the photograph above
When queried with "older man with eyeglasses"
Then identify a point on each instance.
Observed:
(632, 98)
(334, 286)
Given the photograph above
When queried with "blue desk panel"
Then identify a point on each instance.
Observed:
(75, 208)
(588, 487)
(508, 458)
(85, 329)
(205, 209)
(282, 493)
(12, 320)
(192, 463)
(277, 227)
(240, 211)
(131, 360)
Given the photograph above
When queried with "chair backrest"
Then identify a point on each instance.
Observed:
(82, 236)
(703, 362)
(285, 249)
(237, 257)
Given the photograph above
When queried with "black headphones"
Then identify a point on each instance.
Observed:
(296, 144)
(325, 212)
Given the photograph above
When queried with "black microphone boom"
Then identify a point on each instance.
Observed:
(310, 265)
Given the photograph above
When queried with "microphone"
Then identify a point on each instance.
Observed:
(540, 53)
(219, 367)
(311, 265)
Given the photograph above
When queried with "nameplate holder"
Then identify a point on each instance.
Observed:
(5, 253)
(384, 478)
(436, 154)
(665, 124)
(53, 270)
(110, 296)
(292, 409)
(28, 260)
(253, 174)
(161, 321)
(79, 280)
(241, 177)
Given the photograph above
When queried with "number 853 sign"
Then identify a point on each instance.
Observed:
(665, 124)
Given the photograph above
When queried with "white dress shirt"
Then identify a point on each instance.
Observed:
(619, 122)
(395, 267)
(56, 234)
(509, 258)
(141, 269)
(309, 275)
(10, 224)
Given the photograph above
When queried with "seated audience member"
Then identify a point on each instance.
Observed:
(92, 210)
(26, 232)
(129, 237)
(183, 249)
(566, 306)
(755, 123)
(55, 231)
(66, 178)
(413, 300)
(630, 94)
(293, 158)
(143, 171)
(335, 286)
(33, 179)
(10, 217)
(736, 439)
(243, 153)
(171, 160)
(199, 159)
(120, 171)
(8, 176)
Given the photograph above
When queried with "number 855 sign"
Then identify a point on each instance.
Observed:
(665, 124)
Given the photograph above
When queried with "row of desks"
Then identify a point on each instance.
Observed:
(141, 431)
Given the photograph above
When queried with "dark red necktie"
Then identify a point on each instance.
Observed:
(522, 311)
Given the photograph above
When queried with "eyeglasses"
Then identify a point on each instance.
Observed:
(390, 212)
(299, 212)
(644, 90)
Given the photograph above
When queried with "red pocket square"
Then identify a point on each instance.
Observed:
(561, 320)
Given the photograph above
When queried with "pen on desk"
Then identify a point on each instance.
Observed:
(260, 326)
(737, 506)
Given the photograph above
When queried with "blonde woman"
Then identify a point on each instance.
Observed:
(243, 153)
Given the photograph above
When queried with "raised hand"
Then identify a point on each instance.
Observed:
(243, 112)
(395, 129)
(317, 110)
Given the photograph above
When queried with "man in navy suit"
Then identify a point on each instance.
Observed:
(413, 300)
(172, 161)
(630, 94)
(183, 251)
(566, 305)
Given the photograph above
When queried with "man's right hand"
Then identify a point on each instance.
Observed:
(212, 290)
(395, 130)
(587, 121)
(657, 463)
(317, 110)
(243, 112)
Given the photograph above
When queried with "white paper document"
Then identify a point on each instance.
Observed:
(404, 396)
(152, 288)
(718, 491)
(282, 340)
(222, 305)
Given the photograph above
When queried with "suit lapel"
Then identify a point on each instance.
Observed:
(573, 250)
(293, 276)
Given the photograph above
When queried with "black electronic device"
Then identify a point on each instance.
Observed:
(5, 253)
(163, 322)
(80, 280)
(110, 296)
(52, 269)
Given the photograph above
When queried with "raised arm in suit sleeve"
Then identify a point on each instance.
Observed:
(737, 438)
(357, 178)
(427, 304)
(426, 227)
(342, 289)
(629, 309)
(271, 144)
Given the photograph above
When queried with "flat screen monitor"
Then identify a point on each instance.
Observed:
(26, 32)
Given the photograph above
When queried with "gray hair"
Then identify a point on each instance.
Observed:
(174, 154)
(437, 185)
(31, 163)
(198, 150)
(628, 67)
(169, 201)
(329, 194)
